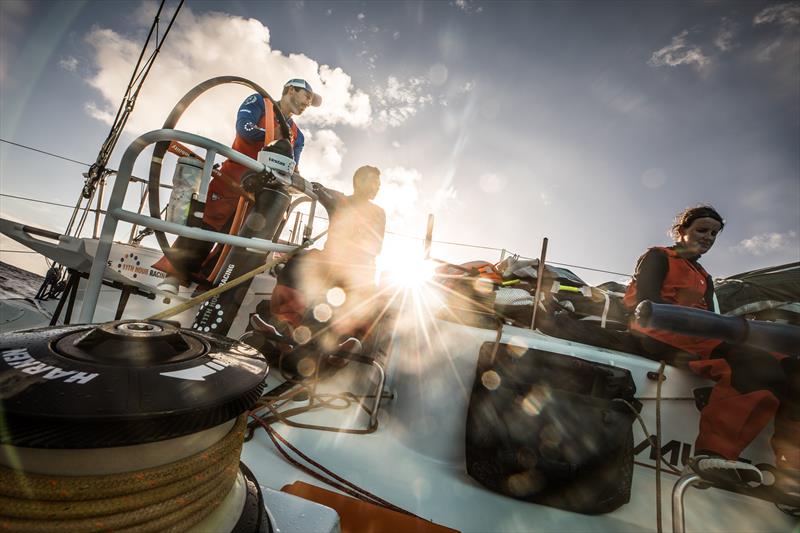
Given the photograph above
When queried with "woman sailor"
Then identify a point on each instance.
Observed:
(753, 386)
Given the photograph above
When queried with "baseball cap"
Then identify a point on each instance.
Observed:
(316, 99)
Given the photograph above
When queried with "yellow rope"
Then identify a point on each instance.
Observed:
(155, 499)
(188, 304)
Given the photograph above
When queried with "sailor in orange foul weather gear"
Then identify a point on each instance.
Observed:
(256, 127)
(752, 386)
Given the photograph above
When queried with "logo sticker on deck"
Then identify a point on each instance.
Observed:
(130, 266)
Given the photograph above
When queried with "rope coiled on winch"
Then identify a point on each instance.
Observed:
(170, 497)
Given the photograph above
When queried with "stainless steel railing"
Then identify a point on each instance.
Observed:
(116, 213)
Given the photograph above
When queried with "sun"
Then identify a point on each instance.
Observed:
(415, 273)
(402, 264)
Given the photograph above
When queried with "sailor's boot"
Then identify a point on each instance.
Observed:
(717, 470)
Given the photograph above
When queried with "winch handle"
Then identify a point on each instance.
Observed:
(302, 185)
(783, 338)
(295, 182)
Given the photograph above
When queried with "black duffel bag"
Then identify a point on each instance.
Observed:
(550, 429)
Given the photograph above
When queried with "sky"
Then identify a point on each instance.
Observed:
(589, 123)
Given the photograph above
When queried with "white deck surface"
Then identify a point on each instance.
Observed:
(415, 459)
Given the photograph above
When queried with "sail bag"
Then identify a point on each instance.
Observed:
(551, 429)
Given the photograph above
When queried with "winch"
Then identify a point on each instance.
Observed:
(127, 424)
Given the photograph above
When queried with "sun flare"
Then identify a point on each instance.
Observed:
(411, 273)
(402, 264)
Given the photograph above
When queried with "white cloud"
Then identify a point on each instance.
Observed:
(766, 51)
(783, 14)
(724, 38)
(341, 104)
(321, 159)
(369, 57)
(399, 194)
(200, 47)
(468, 6)
(353, 33)
(780, 47)
(69, 64)
(103, 115)
(678, 52)
(365, 37)
(146, 12)
(766, 243)
(398, 100)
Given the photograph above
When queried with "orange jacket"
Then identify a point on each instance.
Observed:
(222, 199)
(686, 284)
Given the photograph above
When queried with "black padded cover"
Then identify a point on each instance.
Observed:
(546, 428)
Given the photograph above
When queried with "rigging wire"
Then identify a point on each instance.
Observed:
(36, 200)
(490, 248)
(592, 269)
(110, 170)
(98, 169)
(97, 173)
(45, 152)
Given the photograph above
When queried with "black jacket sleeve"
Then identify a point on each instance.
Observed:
(709, 296)
(651, 270)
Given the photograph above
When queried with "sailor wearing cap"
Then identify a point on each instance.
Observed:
(307, 95)
(254, 130)
(256, 126)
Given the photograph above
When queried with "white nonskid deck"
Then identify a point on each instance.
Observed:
(419, 466)
(415, 459)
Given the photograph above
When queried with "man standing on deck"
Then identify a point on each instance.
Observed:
(356, 228)
(256, 127)
(355, 238)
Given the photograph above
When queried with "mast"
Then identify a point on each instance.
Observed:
(98, 172)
